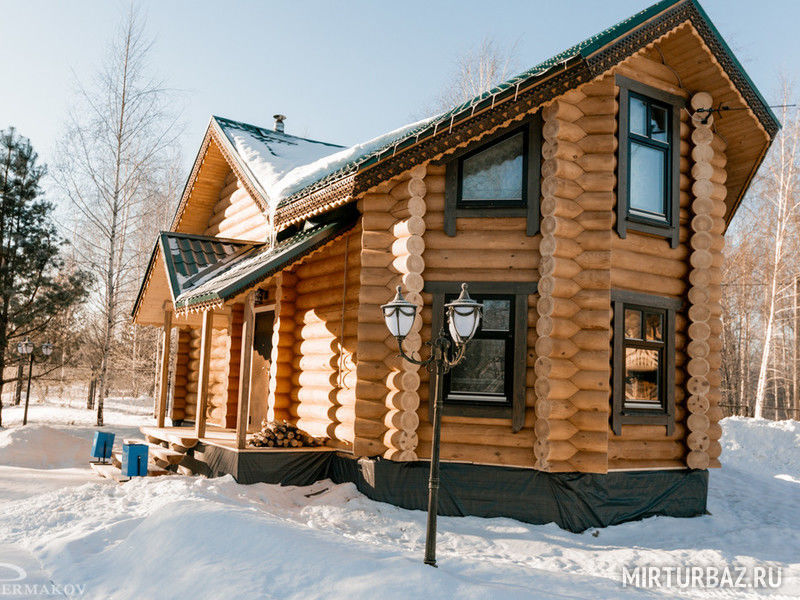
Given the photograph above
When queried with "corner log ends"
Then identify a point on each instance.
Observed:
(705, 310)
(387, 387)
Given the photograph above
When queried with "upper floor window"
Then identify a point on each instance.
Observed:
(648, 198)
(648, 144)
(498, 177)
(494, 176)
(643, 360)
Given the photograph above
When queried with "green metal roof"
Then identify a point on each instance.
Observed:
(189, 258)
(234, 274)
(579, 51)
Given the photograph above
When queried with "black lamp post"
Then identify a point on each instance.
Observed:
(26, 348)
(463, 319)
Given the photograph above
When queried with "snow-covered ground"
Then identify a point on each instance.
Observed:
(190, 537)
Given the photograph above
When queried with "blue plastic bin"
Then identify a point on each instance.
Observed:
(134, 460)
(102, 445)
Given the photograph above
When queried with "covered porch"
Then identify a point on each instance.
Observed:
(218, 378)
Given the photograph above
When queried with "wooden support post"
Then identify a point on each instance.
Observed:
(163, 385)
(202, 383)
(157, 377)
(245, 371)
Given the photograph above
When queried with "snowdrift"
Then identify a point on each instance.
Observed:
(42, 447)
(761, 447)
(214, 538)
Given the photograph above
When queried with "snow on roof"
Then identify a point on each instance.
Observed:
(284, 164)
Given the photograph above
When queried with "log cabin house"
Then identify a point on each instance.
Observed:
(583, 201)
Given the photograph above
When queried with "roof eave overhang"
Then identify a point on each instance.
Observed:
(591, 62)
(145, 280)
(215, 299)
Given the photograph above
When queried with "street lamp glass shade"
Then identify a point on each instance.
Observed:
(47, 348)
(463, 317)
(25, 347)
(399, 315)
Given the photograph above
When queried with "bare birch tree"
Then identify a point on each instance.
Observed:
(114, 150)
(477, 71)
(742, 301)
(779, 187)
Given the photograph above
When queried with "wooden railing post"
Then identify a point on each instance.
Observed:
(245, 372)
(163, 386)
(202, 383)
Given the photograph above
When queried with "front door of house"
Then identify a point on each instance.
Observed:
(262, 352)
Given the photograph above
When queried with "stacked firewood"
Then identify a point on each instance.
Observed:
(282, 435)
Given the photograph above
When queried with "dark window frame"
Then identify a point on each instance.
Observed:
(515, 410)
(620, 415)
(508, 337)
(531, 186)
(625, 220)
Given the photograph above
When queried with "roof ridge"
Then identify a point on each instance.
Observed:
(587, 52)
(583, 50)
(538, 69)
(263, 131)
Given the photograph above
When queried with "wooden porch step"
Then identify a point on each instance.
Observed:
(153, 470)
(175, 438)
(157, 451)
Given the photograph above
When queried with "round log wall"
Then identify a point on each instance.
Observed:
(483, 249)
(648, 264)
(180, 410)
(326, 291)
(236, 215)
(217, 407)
(283, 338)
(573, 346)
(234, 362)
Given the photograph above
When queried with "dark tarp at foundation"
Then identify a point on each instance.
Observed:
(574, 501)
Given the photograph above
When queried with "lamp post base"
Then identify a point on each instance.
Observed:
(433, 480)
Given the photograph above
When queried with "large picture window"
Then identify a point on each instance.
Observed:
(498, 177)
(490, 382)
(643, 360)
(649, 160)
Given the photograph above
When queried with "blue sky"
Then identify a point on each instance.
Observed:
(342, 71)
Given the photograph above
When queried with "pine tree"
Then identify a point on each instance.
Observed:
(34, 288)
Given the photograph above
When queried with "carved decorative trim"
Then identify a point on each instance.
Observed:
(187, 190)
(213, 134)
(432, 148)
(337, 193)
